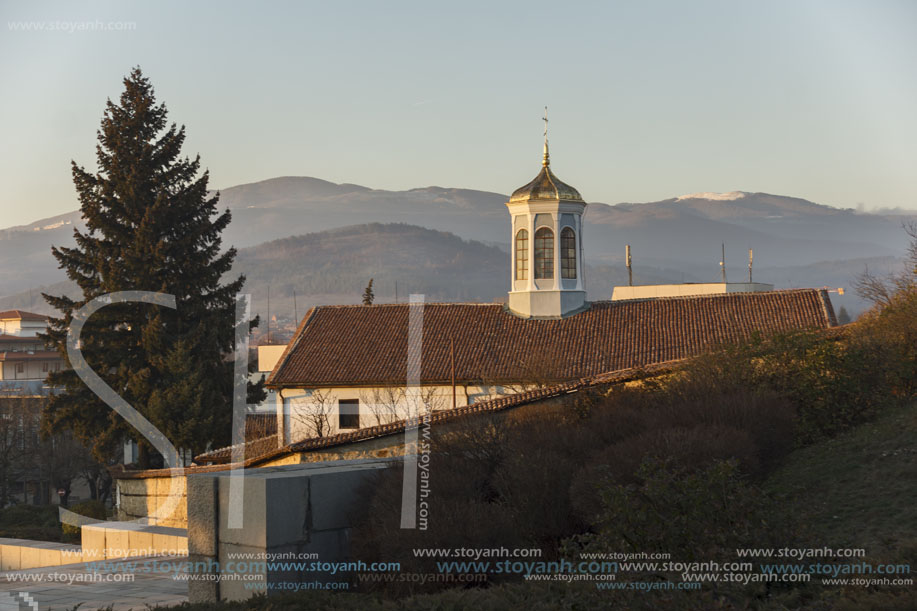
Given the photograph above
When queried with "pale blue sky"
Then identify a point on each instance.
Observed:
(647, 100)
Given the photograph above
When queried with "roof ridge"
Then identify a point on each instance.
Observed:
(711, 295)
(424, 303)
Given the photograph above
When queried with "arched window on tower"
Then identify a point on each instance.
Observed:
(544, 254)
(522, 255)
(568, 253)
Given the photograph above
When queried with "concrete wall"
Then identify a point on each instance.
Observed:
(299, 513)
(268, 356)
(145, 497)
(18, 554)
(106, 540)
(393, 446)
(650, 291)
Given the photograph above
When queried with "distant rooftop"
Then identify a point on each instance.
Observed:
(21, 315)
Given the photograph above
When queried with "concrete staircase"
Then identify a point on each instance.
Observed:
(100, 541)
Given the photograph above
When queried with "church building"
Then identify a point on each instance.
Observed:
(351, 367)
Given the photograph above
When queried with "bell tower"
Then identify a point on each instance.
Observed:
(547, 246)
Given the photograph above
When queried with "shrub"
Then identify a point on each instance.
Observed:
(95, 510)
(689, 450)
(833, 382)
(533, 488)
(890, 333)
(694, 516)
(38, 522)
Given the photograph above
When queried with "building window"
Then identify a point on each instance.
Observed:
(522, 255)
(568, 253)
(44, 367)
(349, 414)
(20, 367)
(544, 254)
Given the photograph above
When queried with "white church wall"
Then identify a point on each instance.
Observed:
(316, 412)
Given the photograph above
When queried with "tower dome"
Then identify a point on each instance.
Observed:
(546, 186)
(547, 254)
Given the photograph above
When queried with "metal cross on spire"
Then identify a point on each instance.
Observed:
(545, 160)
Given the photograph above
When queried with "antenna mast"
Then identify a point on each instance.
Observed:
(630, 269)
(750, 259)
(723, 263)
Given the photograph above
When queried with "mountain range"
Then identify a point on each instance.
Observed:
(796, 242)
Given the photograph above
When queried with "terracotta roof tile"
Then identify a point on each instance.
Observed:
(38, 355)
(21, 315)
(20, 338)
(367, 345)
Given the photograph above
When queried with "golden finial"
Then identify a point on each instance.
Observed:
(546, 160)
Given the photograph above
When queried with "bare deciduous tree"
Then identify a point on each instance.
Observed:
(392, 403)
(315, 413)
(880, 289)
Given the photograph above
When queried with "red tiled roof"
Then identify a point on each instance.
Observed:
(261, 450)
(260, 425)
(21, 315)
(367, 345)
(19, 338)
(38, 355)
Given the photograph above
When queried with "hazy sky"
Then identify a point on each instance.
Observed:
(648, 100)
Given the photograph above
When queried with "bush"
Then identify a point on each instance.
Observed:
(35, 522)
(891, 333)
(94, 510)
(694, 516)
(689, 450)
(833, 382)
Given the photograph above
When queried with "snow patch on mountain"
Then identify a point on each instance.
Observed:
(718, 197)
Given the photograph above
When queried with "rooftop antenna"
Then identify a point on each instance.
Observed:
(723, 263)
(396, 291)
(269, 314)
(630, 269)
(750, 260)
(295, 314)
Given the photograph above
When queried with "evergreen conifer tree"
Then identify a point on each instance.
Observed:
(368, 295)
(151, 225)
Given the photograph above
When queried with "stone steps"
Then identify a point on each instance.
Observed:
(101, 541)
(104, 540)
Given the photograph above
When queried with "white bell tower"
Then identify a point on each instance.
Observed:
(547, 246)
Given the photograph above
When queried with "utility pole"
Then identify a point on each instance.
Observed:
(723, 263)
(630, 269)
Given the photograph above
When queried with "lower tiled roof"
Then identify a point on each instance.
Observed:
(37, 355)
(261, 450)
(367, 345)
